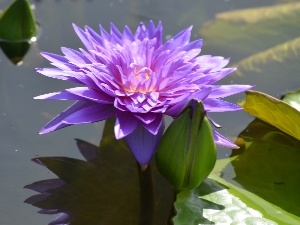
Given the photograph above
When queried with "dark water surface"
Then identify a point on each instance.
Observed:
(21, 117)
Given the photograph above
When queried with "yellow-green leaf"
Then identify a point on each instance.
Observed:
(273, 111)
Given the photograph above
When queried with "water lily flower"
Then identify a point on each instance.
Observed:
(138, 79)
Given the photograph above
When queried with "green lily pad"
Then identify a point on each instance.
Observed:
(293, 99)
(273, 111)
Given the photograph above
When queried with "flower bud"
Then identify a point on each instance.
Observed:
(186, 153)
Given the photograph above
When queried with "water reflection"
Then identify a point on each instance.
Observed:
(101, 190)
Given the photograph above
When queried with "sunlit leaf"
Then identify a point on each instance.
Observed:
(212, 203)
(260, 14)
(242, 33)
(273, 111)
(293, 99)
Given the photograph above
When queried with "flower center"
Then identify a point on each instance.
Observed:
(142, 74)
(138, 80)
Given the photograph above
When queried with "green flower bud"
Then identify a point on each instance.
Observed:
(187, 153)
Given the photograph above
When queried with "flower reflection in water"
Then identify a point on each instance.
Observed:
(100, 190)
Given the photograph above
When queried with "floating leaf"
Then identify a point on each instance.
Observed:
(241, 33)
(285, 52)
(268, 165)
(259, 14)
(293, 99)
(273, 111)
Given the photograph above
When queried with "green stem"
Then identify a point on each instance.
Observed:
(146, 196)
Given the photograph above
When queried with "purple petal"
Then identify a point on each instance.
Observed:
(222, 141)
(217, 105)
(178, 107)
(227, 90)
(89, 114)
(143, 144)
(54, 58)
(53, 73)
(211, 63)
(146, 117)
(79, 93)
(58, 122)
(216, 76)
(125, 124)
(83, 36)
(154, 126)
(180, 39)
(75, 56)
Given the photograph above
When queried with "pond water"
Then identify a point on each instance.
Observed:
(21, 117)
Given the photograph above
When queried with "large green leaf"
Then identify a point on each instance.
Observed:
(269, 165)
(273, 111)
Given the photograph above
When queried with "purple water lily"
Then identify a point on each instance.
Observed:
(138, 79)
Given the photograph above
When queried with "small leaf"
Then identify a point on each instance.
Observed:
(17, 23)
(293, 99)
(273, 111)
